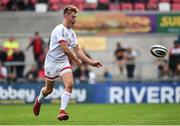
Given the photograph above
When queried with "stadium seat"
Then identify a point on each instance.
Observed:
(90, 6)
(153, 1)
(152, 6)
(126, 6)
(139, 6)
(54, 7)
(175, 7)
(33, 1)
(66, 2)
(92, 1)
(81, 6)
(4, 2)
(176, 1)
(104, 1)
(53, 1)
(164, 6)
(41, 7)
(167, 1)
(79, 1)
(113, 7)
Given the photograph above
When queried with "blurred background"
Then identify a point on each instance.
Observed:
(119, 33)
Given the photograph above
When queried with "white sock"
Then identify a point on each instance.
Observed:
(41, 96)
(65, 97)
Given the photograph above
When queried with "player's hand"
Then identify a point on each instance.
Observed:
(96, 64)
(78, 62)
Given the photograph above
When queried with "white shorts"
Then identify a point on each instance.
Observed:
(53, 70)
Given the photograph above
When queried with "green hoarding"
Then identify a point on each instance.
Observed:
(168, 23)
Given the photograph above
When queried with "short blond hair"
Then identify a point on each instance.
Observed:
(70, 8)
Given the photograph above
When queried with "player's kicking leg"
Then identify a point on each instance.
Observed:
(65, 97)
(49, 84)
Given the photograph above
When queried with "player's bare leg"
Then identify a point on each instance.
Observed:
(65, 97)
(49, 85)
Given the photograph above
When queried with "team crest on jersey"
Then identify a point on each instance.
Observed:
(48, 73)
(72, 35)
(68, 41)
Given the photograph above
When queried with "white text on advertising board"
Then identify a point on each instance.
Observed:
(151, 94)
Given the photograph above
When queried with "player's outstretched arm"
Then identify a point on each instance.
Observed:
(85, 59)
(68, 52)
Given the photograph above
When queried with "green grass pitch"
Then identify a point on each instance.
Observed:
(93, 114)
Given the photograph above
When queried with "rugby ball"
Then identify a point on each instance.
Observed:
(158, 51)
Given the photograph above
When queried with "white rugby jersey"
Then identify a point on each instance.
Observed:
(55, 52)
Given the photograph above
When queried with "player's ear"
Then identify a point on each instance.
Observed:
(65, 15)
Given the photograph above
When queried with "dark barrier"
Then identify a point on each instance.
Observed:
(98, 93)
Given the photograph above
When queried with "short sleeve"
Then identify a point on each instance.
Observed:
(59, 34)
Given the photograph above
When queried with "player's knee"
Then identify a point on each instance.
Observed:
(69, 83)
(68, 89)
(69, 86)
